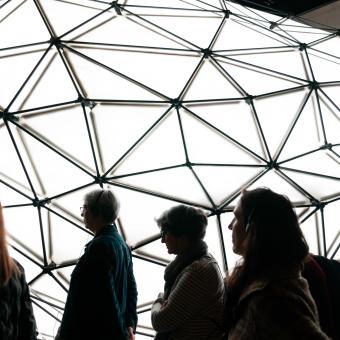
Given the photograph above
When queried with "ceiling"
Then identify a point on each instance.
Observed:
(286, 6)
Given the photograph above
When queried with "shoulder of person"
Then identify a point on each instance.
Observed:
(205, 266)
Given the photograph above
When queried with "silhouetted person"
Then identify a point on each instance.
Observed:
(16, 315)
(191, 306)
(101, 304)
(267, 297)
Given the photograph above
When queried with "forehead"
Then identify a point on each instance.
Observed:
(238, 211)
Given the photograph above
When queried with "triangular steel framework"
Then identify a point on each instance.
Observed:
(218, 89)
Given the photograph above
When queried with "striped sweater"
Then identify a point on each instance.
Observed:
(194, 309)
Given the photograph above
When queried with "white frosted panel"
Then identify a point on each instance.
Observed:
(287, 61)
(235, 119)
(278, 184)
(277, 115)
(310, 230)
(50, 83)
(162, 147)
(150, 281)
(141, 223)
(209, 74)
(222, 182)
(179, 183)
(306, 134)
(318, 187)
(325, 67)
(232, 258)
(332, 227)
(166, 73)
(220, 149)
(23, 61)
(30, 31)
(239, 34)
(115, 131)
(26, 234)
(69, 120)
(256, 81)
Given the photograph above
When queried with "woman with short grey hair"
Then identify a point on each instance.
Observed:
(102, 298)
(191, 306)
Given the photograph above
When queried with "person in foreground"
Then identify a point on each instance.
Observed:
(101, 303)
(267, 297)
(192, 304)
(17, 321)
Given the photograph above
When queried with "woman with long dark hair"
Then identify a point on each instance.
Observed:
(16, 315)
(267, 296)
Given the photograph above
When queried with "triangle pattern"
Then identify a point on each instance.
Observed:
(15, 12)
(170, 182)
(155, 151)
(235, 118)
(166, 72)
(72, 122)
(219, 149)
(116, 133)
(50, 84)
(20, 61)
(99, 82)
(217, 180)
(276, 115)
(201, 87)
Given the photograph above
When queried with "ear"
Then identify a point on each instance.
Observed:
(250, 220)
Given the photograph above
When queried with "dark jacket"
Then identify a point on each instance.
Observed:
(102, 298)
(280, 309)
(16, 315)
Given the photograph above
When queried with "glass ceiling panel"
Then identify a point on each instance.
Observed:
(165, 103)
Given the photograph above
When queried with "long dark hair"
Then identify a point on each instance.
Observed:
(274, 240)
(8, 267)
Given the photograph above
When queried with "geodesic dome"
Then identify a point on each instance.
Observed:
(164, 102)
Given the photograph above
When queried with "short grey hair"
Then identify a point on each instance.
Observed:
(102, 203)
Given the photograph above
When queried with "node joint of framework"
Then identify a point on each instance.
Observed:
(40, 203)
(116, 6)
(206, 52)
(55, 41)
(302, 46)
(176, 102)
(327, 146)
(272, 165)
(313, 85)
(86, 102)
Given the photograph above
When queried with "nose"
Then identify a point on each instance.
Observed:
(230, 226)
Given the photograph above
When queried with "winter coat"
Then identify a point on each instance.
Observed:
(280, 309)
(16, 314)
(102, 298)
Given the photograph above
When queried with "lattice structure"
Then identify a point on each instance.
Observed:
(164, 102)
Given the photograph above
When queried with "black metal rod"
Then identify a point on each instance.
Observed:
(310, 173)
(45, 310)
(293, 125)
(321, 118)
(88, 20)
(45, 19)
(222, 244)
(23, 46)
(20, 159)
(146, 171)
(151, 193)
(94, 61)
(162, 29)
(91, 140)
(39, 139)
(148, 260)
(16, 190)
(138, 141)
(42, 236)
(225, 135)
(28, 78)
